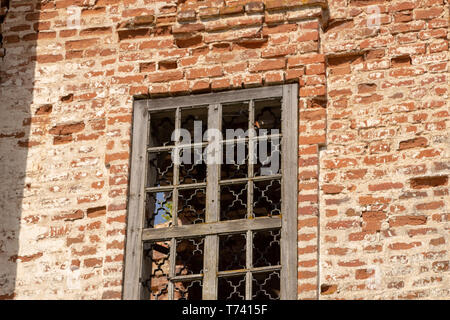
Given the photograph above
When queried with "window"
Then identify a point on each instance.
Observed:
(212, 208)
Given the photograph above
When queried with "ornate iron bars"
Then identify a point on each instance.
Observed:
(205, 222)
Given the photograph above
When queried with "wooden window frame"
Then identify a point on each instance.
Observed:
(287, 221)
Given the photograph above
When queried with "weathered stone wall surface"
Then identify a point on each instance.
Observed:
(373, 141)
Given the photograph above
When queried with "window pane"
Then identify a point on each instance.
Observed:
(266, 248)
(162, 124)
(231, 288)
(234, 120)
(191, 206)
(159, 209)
(189, 256)
(194, 121)
(235, 161)
(268, 116)
(157, 255)
(188, 290)
(192, 165)
(267, 157)
(232, 252)
(266, 286)
(267, 198)
(233, 202)
(160, 169)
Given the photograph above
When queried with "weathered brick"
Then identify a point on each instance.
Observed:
(428, 182)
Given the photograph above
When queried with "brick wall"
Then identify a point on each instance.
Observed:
(373, 141)
(384, 199)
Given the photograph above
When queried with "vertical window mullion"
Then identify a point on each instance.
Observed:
(251, 158)
(176, 170)
(251, 161)
(176, 173)
(212, 177)
(172, 265)
(249, 263)
(211, 256)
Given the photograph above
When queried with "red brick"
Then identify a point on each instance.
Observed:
(204, 72)
(265, 65)
(428, 13)
(362, 274)
(66, 129)
(407, 220)
(96, 212)
(165, 76)
(413, 143)
(428, 182)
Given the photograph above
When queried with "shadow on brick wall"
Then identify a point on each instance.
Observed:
(17, 66)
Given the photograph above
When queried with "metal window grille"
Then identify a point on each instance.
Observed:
(204, 230)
